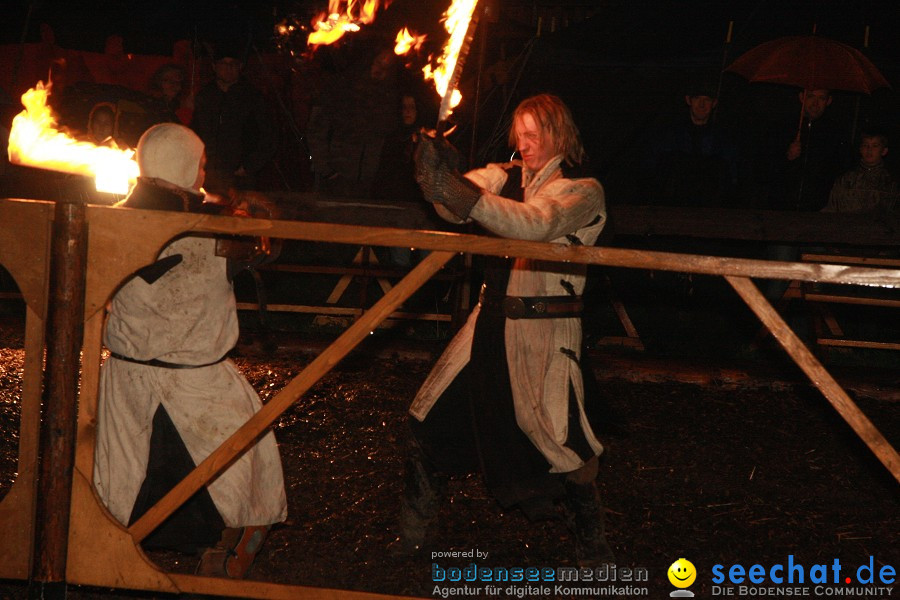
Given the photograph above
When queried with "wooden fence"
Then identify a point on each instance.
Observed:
(69, 259)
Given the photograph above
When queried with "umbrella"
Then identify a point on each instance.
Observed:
(810, 62)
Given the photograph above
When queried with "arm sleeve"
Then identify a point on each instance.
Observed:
(560, 207)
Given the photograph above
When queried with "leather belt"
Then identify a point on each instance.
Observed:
(155, 362)
(533, 307)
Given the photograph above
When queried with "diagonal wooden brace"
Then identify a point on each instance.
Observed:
(819, 376)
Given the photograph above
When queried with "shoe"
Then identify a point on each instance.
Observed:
(212, 562)
(587, 520)
(422, 492)
(234, 554)
(244, 552)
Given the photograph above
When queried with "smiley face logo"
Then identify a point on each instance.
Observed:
(682, 573)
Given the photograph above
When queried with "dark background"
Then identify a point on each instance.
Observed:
(620, 64)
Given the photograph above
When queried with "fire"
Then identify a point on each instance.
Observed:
(35, 141)
(331, 26)
(406, 41)
(456, 22)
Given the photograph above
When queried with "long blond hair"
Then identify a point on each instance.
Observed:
(555, 119)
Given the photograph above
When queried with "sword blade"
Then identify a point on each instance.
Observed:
(453, 82)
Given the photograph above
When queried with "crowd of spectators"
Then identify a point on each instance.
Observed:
(335, 126)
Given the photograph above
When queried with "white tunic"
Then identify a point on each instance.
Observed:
(539, 373)
(187, 316)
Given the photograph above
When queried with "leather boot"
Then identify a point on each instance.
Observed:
(423, 490)
(587, 521)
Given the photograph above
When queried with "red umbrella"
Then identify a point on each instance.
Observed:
(810, 62)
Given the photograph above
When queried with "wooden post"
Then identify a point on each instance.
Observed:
(63, 341)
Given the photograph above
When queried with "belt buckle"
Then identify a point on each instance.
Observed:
(513, 307)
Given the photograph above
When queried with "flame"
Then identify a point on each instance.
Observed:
(456, 22)
(406, 41)
(331, 26)
(35, 141)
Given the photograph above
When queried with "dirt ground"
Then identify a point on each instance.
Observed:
(713, 474)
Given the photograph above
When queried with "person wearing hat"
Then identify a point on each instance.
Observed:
(168, 394)
(232, 119)
(691, 162)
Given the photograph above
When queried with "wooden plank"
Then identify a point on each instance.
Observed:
(819, 376)
(869, 261)
(24, 252)
(17, 510)
(634, 220)
(756, 225)
(823, 341)
(237, 588)
(339, 310)
(134, 224)
(857, 300)
(344, 282)
(348, 270)
(24, 247)
(91, 352)
(246, 435)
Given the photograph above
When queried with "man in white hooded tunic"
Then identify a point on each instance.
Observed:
(168, 395)
(506, 398)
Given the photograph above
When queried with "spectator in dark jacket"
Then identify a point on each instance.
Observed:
(692, 162)
(349, 126)
(231, 118)
(814, 157)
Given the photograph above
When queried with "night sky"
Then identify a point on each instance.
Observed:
(628, 59)
(654, 27)
(152, 27)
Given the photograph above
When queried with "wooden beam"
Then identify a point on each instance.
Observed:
(636, 220)
(757, 225)
(17, 509)
(25, 253)
(64, 338)
(819, 376)
(823, 341)
(340, 310)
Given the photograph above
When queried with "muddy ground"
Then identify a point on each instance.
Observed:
(719, 475)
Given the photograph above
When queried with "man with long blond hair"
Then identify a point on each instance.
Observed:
(506, 398)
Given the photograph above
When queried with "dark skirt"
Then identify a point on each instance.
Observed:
(472, 427)
(196, 524)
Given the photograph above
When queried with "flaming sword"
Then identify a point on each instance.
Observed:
(465, 44)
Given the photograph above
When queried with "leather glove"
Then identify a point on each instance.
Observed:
(456, 192)
(253, 204)
(427, 160)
